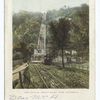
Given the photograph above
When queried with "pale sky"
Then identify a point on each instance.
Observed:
(44, 5)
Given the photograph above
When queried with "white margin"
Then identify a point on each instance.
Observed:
(97, 49)
(1, 49)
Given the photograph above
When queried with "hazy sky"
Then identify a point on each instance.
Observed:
(44, 5)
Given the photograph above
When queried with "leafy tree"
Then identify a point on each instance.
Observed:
(26, 27)
(80, 31)
(60, 35)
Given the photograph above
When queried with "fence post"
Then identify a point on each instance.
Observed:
(20, 78)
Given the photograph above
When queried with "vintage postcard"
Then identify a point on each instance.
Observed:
(49, 50)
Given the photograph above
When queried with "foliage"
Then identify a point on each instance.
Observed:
(26, 27)
(78, 38)
(60, 35)
(80, 34)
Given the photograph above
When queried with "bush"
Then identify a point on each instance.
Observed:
(17, 62)
(17, 55)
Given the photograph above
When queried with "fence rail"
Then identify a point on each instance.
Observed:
(18, 73)
(21, 68)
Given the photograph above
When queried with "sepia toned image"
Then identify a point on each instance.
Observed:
(50, 44)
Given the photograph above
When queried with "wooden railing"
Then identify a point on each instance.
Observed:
(18, 73)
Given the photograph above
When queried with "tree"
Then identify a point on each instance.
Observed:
(80, 31)
(59, 31)
(26, 28)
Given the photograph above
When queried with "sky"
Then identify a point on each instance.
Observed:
(44, 5)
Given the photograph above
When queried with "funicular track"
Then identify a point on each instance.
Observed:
(49, 80)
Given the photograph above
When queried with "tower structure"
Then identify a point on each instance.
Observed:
(40, 51)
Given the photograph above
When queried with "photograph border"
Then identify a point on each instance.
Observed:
(87, 94)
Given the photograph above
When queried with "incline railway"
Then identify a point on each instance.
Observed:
(35, 74)
(48, 79)
(38, 75)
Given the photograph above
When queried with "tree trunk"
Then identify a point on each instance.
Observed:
(63, 65)
(70, 56)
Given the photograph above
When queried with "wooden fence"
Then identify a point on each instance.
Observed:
(18, 73)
